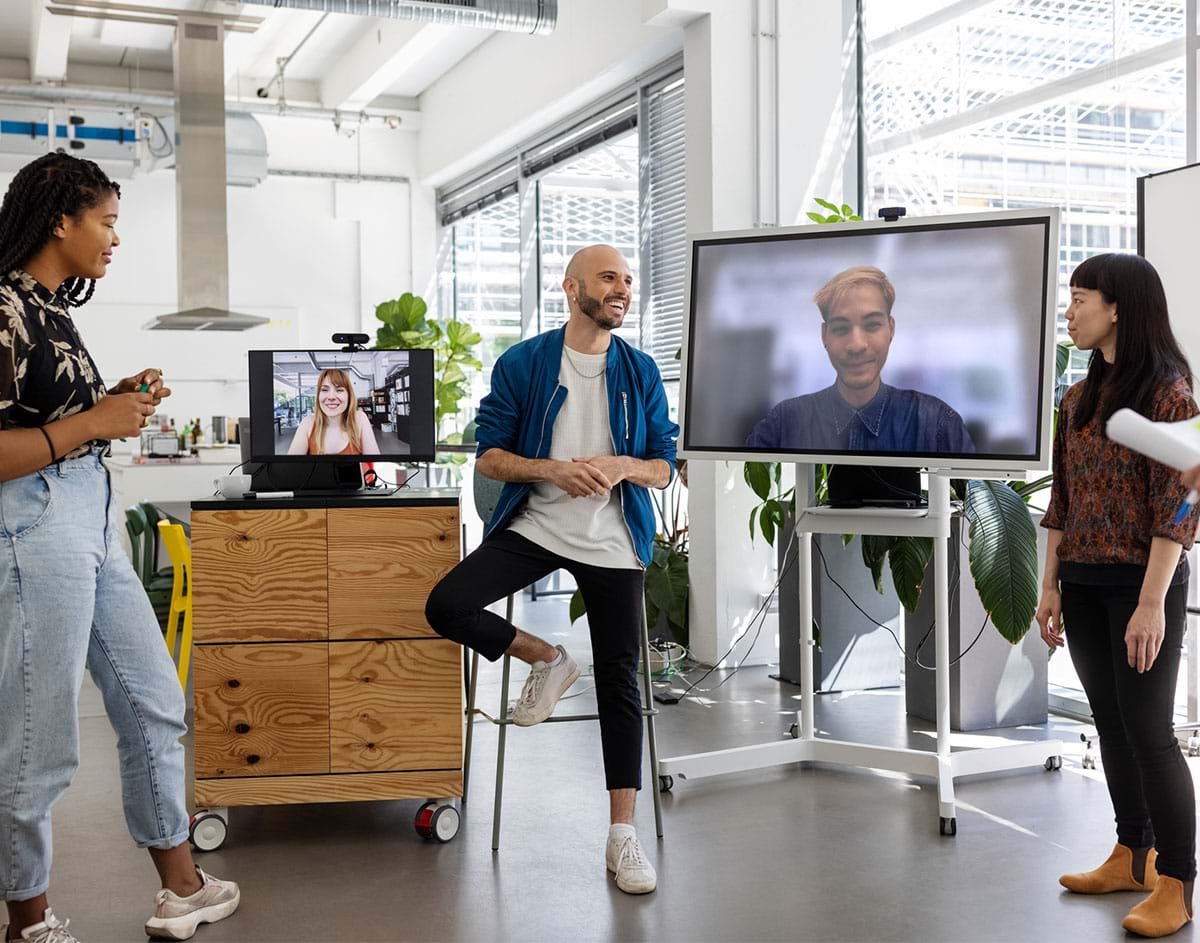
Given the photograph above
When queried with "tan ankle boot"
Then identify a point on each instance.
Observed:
(1163, 912)
(1116, 874)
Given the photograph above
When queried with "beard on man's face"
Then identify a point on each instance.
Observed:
(595, 311)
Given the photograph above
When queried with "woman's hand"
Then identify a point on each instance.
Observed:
(1191, 478)
(1144, 635)
(151, 379)
(1049, 618)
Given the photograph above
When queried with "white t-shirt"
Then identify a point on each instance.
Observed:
(592, 529)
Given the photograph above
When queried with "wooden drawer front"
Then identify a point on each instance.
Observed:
(261, 710)
(260, 576)
(395, 706)
(383, 564)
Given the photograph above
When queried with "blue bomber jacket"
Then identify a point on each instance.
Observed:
(518, 416)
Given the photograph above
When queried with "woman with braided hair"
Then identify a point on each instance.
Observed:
(69, 598)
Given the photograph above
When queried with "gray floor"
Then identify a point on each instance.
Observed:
(813, 854)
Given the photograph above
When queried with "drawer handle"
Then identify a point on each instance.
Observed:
(242, 728)
(370, 746)
(252, 758)
(235, 683)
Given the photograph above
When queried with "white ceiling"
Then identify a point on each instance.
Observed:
(346, 58)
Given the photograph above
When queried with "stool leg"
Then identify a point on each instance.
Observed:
(503, 718)
(649, 705)
(500, 755)
(471, 686)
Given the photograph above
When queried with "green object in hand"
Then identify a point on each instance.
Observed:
(144, 388)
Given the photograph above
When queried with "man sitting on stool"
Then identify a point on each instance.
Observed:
(577, 425)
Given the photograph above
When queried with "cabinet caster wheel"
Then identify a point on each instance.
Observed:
(794, 731)
(666, 783)
(1053, 763)
(948, 826)
(435, 822)
(207, 831)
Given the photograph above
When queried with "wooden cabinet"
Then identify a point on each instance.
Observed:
(316, 676)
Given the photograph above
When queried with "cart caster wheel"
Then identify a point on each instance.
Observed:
(794, 731)
(1053, 763)
(207, 831)
(437, 822)
(666, 783)
(948, 826)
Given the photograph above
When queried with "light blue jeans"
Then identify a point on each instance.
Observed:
(69, 598)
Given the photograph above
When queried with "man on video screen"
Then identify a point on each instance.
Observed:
(860, 412)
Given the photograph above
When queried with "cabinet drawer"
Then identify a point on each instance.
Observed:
(259, 576)
(395, 705)
(383, 563)
(261, 710)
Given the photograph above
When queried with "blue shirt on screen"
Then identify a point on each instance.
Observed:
(894, 420)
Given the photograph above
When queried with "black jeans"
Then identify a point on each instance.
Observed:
(507, 563)
(1148, 778)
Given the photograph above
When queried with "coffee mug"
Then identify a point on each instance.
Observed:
(232, 487)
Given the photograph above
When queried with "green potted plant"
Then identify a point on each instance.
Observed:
(455, 344)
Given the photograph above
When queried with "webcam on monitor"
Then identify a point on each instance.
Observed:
(351, 341)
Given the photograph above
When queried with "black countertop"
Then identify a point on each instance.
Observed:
(404, 498)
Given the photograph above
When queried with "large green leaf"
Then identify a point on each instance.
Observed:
(1062, 357)
(874, 553)
(667, 589)
(1003, 556)
(758, 477)
(909, 557)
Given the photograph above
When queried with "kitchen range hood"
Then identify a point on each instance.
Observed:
(201, 220)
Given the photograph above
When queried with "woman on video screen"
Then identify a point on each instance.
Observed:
(337, 426)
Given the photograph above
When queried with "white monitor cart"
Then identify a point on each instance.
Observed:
(942, 765)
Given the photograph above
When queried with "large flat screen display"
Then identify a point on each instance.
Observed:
(926, 343)
(360, 406)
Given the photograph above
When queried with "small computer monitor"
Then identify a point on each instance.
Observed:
(342, 406)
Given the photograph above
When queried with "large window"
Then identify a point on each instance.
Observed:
(614, 174)
(593, 198)
(1025, 103)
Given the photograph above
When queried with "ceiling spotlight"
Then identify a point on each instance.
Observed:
(393, 121)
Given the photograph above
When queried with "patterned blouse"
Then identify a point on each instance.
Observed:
(45, 371)
(1110, 501)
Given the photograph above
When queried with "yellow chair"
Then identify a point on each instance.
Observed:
(180, 552)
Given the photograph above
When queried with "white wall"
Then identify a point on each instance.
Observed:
(515, 85)
(314, 255)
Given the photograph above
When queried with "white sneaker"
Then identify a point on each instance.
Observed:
(547, 682)
(50, 930)
(624, 857)
(176, 918)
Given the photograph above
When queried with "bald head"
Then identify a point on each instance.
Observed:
(599, 285)
(586, 260)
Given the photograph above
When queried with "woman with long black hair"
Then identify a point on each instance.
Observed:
(1116, 581)
(69, 597)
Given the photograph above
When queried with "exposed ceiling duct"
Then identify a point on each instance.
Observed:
(514, 16)
(202, 222)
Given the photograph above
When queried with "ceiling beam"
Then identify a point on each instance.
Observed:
(49, 43)
(378, 57)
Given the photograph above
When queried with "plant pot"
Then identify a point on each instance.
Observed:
(853, 653)
(996, 684)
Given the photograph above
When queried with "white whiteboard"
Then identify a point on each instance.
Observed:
(1168, 204)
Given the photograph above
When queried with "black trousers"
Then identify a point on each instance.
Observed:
(1148, 778)
(507, 563)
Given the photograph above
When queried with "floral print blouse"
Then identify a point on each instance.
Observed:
(45, 371)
